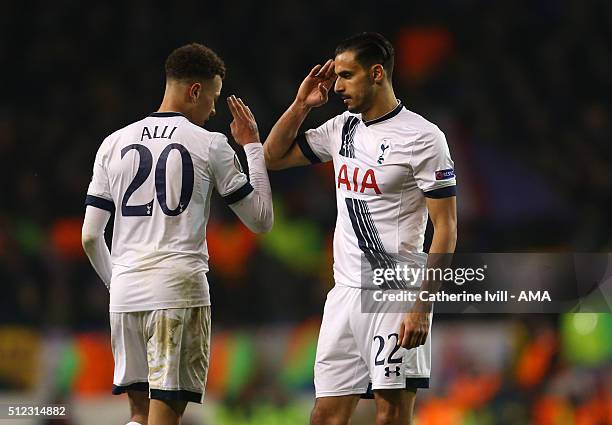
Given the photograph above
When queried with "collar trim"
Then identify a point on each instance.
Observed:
(166, 114)
(387, 116)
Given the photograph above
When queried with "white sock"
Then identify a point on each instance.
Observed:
(133, 423)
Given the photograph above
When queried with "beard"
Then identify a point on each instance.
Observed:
(363, 102)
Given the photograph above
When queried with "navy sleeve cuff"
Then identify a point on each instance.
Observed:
(239, 194)
(443, 192)
(96, 201)
(306, 149)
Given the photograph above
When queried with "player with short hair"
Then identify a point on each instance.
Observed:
(158, 175)
(392, 168)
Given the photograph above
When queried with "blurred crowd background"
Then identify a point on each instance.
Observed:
(522, 91)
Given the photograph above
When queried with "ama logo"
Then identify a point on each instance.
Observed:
(385, 146)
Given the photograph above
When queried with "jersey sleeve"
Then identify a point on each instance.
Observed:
(98, 193)
(317, 144)
(432, 166)
(231, 183)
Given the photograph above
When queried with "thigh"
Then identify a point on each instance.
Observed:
(335, 410)
(390, 366)
(139, 404)
(178, 353)
(128, 344)
(165, 412)
(339, 368)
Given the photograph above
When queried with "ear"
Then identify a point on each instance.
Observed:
(378, 73)
(194, 92)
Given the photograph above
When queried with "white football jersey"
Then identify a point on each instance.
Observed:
(157, 175)
(384, 169)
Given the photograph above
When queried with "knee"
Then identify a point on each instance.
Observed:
(139, 417)
(391, 415)
(325, 416)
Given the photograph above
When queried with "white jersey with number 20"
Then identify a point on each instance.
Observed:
(157, 175)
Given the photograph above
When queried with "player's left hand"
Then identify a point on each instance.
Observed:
(243, 127)
(414, 329)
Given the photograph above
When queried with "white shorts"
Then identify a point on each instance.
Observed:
(359, 352)
(164, 352)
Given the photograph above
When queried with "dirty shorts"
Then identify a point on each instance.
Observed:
(165, 352)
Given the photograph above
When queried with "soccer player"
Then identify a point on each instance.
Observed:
(392, 168)
(157, 175)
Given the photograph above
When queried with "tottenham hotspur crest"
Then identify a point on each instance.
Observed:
(384, 148)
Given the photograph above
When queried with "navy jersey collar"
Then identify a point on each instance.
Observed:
(387, 116)
(166, 114)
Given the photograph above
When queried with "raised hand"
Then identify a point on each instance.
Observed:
(243, 127)
(313, 91)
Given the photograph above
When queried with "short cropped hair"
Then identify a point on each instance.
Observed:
(194, 62)
(370, 48)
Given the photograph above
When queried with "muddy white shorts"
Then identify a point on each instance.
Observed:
(360, 352)
(165, 352)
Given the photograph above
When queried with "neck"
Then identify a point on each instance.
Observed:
(172, 103)
(385, 103)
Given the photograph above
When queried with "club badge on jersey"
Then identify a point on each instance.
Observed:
(384, 148)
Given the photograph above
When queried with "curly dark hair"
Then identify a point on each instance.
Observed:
(194, 62)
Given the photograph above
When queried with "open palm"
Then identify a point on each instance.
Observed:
(243, 127)
(313, 91)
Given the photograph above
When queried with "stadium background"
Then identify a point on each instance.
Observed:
(521, 89)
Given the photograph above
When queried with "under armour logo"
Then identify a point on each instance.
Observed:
(396, 371)
(383, 148)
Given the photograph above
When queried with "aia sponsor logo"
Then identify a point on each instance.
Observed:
(359, 180)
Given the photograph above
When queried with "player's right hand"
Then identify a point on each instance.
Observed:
(313, 91)
(243, 127)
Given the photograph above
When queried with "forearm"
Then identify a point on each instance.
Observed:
(284, 132)
(99, 257)
(440, 256)
(94, 244)
(444, 239)
(443, 213)
(256, 210)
